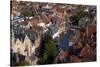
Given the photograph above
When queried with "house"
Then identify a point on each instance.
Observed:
(28, 46)
(18, 47)
(76, 59)
(61, 26)
(62, 57)
(88, 54)
(90, 29)
(25, 48)
(14, 10)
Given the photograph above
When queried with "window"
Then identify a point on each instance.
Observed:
(18, 50)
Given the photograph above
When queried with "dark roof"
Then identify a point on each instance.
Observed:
(64, 40)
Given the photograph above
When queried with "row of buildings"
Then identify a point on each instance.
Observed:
(46, 18)
(83, 43)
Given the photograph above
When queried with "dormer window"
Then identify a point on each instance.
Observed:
(26, 50)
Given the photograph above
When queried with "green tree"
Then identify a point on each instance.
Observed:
(48, 51)
(75, 18)
(26, 12)
(22, 63)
